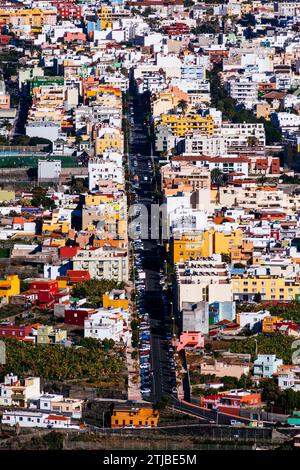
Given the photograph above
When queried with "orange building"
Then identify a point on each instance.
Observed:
(134, 417)
(268, 324)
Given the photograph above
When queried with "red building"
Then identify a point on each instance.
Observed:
(231, 402)
(267, 165)
(47, 292)
(176, 29)
(287, 328)
(5, 39)
(68, 10)
(44, 285)
(68, 252)
(77, 316)
(14, 331)
(78, 276)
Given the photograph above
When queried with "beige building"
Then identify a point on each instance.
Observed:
(47, 334)
(202, 280)
(229, 365)
(103, 263)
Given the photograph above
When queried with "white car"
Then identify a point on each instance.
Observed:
(234, 422)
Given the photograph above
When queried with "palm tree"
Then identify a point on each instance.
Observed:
(252, 141)
(182, 104)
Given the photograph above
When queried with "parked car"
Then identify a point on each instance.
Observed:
(234, 422)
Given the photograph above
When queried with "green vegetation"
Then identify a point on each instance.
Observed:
(218, 178)
(60, 363)
(267, 343)
(291, 312)
(9, 60)
(78, 186)
(162, 403)
(93, 343)
(4, 252)
(237, 113)
(8, 310)
(211, 27)
(52, 441)
(286, 400)
(188, 3)
(287, 312)
(40, 198)
(94, 289)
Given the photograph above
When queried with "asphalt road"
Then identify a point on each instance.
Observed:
(141, 164)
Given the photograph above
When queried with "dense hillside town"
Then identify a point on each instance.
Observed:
(149, 222)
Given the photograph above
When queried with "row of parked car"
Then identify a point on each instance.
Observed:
(144, 329)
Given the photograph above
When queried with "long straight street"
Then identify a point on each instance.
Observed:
(142, 166)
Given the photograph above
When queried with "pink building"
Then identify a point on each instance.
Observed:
(191, 339)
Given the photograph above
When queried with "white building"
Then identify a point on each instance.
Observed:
(289, 377)
(103, 263)
(105, 324)
(49, 170)
(104, 169)
(44, 129)
(34, 419)
(265, 365)
(14, 392)
(243, 90)
(202, 280)
(252, 319)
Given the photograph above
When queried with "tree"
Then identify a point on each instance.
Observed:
(188, 3)
(40, 198)
(148, 11)
(7, 125)
(182, 104)
(94, 289)
(236, 113)
(162, 403)
(257, 297)
(21, 140)
(56, 362)
(90, 343)
(252, 141)
(78, 186)
(217, 177)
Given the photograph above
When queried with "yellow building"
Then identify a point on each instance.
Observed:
(187, 247)
(109, 139)
(202, 245)
(34, 17)
(270, 288)
(187, 123)
(268, 324)
(9, 286)
(115, 299)
(57, 224)
(125, 416)
(105, 17)
(7, 195)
